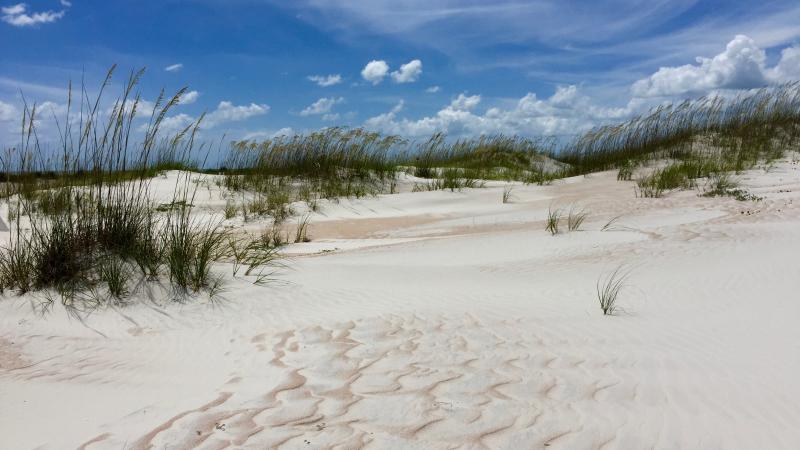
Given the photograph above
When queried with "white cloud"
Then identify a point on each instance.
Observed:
(228, 112)
(321, 106)
(375, 71)
(788, 68)
(408, 72)
(257, 135)
(566, 112)
(433, 89)
(173, 124)
(330, 117)
(225, 112)
(15, 10)
(46, 114)
(144, 108)
(189, 97)
(741, 66)
(18, 15)
(174, 67)
(65, 3)
(325, 81)
(465, 103)
(8, 112)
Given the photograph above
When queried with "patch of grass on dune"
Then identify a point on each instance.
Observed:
(730, 134)
(609, 288)
(331, 163)
(494, 157)
(92, 232)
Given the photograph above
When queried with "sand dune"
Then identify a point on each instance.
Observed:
(449, 320)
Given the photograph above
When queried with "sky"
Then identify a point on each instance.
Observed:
(261, 68)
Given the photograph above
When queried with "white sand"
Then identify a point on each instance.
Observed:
(449, 320)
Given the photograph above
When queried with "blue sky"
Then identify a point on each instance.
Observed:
(407, 67)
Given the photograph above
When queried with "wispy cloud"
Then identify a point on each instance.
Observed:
(174, 67)
(16, 86)
(433, 89)
(321, 106)
(327, 80)
(628, 37)
(19, 16)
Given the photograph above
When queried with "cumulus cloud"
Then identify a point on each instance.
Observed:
(321, 106)
(174, 67)
(741, 66)
(8, 112)
(408, 72)
(189, 97)
(375, 71)
(433, 89)
(327, 80)
(47, 112)
(464, 102)
(566, 112)
(225, 112)
(19, 16)
(173, 124)
(788, 68)
(228, 112)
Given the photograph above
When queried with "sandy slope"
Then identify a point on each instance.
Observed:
(449, 320)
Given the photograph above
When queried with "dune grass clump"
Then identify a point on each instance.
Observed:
(625, 172)
(723, 184)
(331, 163)
(576, 217)
(452, 179)
(507, 194)
(553, 220)
(738, 132)
(611, 225)
(608, 289)
(301, 232)
(494, 157)
(89, 229)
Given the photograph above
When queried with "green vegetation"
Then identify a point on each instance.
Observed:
(331, 163)
(453, 179)
(553, 220)
(608, 289)
(487, 158)
(576, 217)
(736, 132)
(89, 227)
